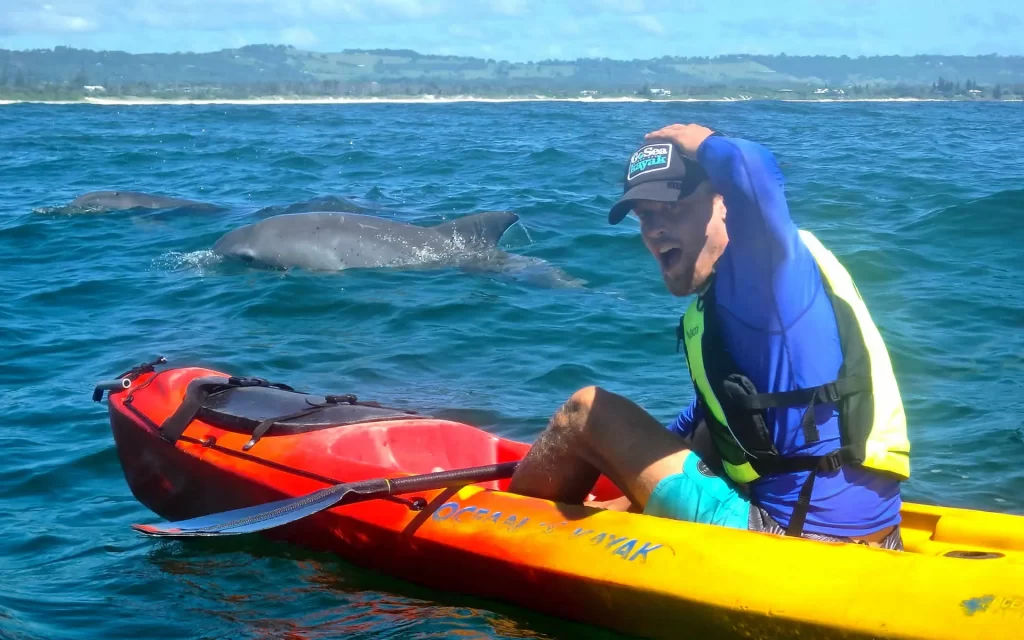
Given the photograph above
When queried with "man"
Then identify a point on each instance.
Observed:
(797, 426)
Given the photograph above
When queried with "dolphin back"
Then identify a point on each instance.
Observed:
(313, 205)
(479, 229)
(121, 200)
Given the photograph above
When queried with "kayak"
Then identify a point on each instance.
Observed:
(193, 441)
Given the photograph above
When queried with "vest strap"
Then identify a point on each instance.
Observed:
(827, 463)
(821, 394)
(803, 503)
(809, 426)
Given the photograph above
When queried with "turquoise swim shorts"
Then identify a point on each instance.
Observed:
(698, 495)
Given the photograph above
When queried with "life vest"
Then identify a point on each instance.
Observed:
(872, 422)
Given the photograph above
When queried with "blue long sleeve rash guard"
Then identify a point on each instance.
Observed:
(778, 325)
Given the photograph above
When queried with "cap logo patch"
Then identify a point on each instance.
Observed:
(653, 157)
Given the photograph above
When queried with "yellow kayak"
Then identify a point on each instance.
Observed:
(961, 575)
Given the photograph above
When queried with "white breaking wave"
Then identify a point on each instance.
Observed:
(196, 261)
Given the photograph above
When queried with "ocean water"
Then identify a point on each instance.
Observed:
(923, 202)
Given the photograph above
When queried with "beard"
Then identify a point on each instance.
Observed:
(687, 277)
(680, 279)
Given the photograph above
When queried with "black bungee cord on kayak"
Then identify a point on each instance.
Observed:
(200, 390)
(196, 394)
(265, 426)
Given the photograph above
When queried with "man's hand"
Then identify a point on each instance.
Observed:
(688, 137)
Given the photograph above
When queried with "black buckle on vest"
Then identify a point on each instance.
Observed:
(830, 462)
(830, 391)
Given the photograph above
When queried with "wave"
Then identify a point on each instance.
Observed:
(999, 213)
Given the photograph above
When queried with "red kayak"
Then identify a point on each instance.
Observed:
(194, 442)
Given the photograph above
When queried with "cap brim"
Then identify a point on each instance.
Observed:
(659, 191)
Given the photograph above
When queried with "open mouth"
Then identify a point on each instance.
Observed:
(669, 258)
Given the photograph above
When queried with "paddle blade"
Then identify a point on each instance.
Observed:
(249, 519)
(275, 514)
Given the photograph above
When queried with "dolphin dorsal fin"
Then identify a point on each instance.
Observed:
(484, 228)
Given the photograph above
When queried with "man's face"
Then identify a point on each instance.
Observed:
(686, 237)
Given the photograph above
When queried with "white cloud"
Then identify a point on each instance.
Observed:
(648, 23)
(21, 16)
(300, 37)
(37, 16)
(122, 16)
(509, 7)
(625, 6)
(73, 23)
(671, 7)
(571, 27)
(512, 29)
(338, 9)
(465, 33)
(410, 9)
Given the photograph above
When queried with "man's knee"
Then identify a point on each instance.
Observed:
(596, 413)
(575, 413)
(584, 399)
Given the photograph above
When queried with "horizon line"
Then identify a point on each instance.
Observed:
(782, 54)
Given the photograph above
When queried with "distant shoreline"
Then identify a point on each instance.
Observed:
(132, 101)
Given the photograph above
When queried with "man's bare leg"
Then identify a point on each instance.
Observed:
(596, 432)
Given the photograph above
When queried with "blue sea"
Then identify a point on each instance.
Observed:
(924, 203)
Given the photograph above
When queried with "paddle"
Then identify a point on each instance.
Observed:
(275, 514)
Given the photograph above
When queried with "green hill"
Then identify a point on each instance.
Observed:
(264, 70)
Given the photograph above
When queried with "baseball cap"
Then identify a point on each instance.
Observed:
(657, 170)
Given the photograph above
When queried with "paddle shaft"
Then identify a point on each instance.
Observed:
(444, 479)
(275, 514)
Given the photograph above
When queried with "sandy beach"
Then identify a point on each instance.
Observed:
(277, 100)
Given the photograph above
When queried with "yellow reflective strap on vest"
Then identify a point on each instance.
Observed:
(693, 334)
(888, 448)
(693, 328)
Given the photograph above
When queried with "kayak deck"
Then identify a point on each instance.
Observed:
(961, 575)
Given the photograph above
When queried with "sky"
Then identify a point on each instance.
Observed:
(525, 30)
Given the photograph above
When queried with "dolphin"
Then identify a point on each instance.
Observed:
(118, 200)
(333, 241)
(317, 204)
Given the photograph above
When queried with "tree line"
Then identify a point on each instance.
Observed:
(71, 74)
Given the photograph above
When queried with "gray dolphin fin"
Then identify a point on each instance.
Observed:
(484, 228)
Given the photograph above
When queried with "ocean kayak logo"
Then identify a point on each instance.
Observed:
(624, 547)
(653, 157)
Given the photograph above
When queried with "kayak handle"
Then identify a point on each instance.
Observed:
(110, 385)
